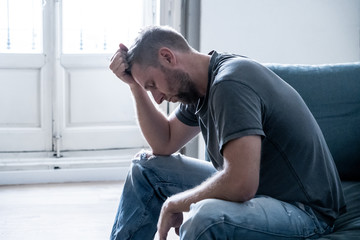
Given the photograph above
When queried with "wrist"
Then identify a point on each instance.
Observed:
(178, 203)
(169, 204)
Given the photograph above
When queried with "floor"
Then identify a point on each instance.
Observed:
(59, 211)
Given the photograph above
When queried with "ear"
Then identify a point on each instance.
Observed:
(166, 56)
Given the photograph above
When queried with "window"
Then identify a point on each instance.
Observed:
(54, 57)
(65, 103)
(98, 26)
(21, 26)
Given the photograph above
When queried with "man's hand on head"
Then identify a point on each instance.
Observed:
(119, 65)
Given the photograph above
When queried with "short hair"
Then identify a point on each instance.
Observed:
(145, 49)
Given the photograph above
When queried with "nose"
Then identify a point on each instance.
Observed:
(158, 96)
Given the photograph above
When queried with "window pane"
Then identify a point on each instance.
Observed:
(97, 26)
(20, 26)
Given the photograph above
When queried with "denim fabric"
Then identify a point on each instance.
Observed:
(153, 179)
(148, 184)
(260, 218)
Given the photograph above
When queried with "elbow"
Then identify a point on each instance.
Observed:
(163, 148)
(242, 192)
(162, 151)
(248, 195)
(244, 195)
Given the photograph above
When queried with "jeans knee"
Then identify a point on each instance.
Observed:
(147, 160)
(143, 155)
(145, 163)
(204, 209)
(138, 161)
(203, 217)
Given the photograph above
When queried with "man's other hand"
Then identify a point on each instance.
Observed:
(167, 220)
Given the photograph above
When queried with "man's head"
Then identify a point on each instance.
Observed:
(154, 62)
(145, 49)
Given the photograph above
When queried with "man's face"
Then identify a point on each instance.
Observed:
(172, 85)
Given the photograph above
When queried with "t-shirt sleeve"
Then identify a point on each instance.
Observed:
(237, 111)
(186, 114)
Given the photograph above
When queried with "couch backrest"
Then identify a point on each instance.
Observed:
(332, 93)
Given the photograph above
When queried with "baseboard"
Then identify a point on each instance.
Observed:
(71, 167)
(63, 175)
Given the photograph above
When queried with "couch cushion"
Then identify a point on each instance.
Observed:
(332, 93)
(347, 226)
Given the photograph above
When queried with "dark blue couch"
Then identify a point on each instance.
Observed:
(332, 92)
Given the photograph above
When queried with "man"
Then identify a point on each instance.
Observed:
(272, 175)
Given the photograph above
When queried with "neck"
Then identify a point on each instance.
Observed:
(197, 65)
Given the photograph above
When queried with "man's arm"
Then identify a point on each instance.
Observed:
(164, 135)
(237, 182)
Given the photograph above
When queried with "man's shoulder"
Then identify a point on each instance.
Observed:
(230, 66)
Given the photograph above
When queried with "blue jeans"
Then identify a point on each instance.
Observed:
(153, 179)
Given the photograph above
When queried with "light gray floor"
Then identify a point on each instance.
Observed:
(59, 211)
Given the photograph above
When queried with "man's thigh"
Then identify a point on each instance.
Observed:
(174, 171)
(260, 218)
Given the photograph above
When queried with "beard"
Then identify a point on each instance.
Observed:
(186, 91)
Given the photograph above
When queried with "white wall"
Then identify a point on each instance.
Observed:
(283, 31)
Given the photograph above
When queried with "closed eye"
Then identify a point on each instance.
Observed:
(150, 85)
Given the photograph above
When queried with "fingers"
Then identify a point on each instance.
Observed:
(118, 58)
(168, 219)
(177, 231)
(123, 47)
(117, 52)
(162, 237)
(163, 225)
(118, 63)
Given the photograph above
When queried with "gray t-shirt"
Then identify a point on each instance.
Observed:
(245, 98)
